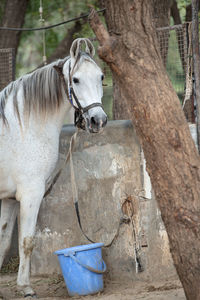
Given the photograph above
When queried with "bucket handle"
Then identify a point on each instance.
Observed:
(72, 255)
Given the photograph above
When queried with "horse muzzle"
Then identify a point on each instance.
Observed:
(92, 124)
(96, 123)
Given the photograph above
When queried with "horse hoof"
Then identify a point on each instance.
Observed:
(30, 295)
(28, 292)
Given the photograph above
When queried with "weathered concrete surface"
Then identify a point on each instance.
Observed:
(112, 186)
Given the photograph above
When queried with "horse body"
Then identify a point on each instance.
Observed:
(32, 112)
(32, 147)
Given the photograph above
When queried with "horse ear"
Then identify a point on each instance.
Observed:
(76, 47)
(89, 47)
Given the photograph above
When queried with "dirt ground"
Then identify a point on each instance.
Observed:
(53, 287)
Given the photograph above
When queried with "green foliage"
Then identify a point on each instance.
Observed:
(30, 51)
(2, 5)
(182, 4)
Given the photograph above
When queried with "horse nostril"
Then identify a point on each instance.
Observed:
(97, 122)
(93, 121)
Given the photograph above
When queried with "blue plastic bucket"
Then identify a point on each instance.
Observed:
(82, 268)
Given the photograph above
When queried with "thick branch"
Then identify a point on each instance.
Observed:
(106, 53)
(107, 43)
(98, 28)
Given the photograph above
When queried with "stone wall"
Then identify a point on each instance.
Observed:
(116, 205)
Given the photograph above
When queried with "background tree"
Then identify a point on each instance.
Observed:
(130, 48)
(13, 14)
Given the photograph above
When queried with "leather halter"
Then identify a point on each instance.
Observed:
(79, 120)
(79, 110)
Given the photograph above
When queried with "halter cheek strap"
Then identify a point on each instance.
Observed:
(72, 95)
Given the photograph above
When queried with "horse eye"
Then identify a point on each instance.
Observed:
(75, 80)
(102, 77)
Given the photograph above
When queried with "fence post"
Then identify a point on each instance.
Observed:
(196, 62)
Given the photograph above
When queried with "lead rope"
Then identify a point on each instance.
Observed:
(73, 184)
(75, 192)
(74, 187)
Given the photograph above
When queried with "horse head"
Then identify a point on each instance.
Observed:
(84, 79)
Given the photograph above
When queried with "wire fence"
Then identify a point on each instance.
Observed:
(173, 42)
(7, 67)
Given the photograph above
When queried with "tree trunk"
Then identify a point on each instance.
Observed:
(13, 16)
(120, 111)
(130, 48)
(161, 18)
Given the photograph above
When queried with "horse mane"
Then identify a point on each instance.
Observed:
(42, 89)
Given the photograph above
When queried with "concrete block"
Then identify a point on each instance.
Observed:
(109, 171)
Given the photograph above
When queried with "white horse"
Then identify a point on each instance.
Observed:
(32, 112)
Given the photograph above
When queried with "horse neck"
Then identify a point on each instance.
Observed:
(63, 111)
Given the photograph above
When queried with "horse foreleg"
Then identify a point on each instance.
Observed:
(29, 206)
(9, 211)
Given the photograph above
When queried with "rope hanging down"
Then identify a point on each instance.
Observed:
(189, 69)
(42, 20)
(50, 26)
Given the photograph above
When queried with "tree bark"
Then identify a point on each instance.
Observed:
(130, 49)
(161, 18)
(120, 111)
(13, 16)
